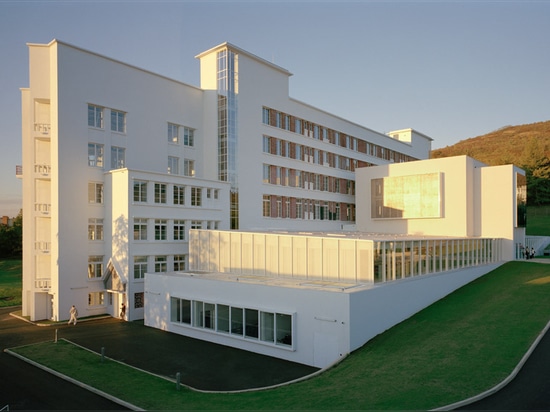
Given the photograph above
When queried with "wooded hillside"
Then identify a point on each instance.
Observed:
(526, 146)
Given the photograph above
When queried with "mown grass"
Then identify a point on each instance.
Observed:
(10, 282)
(538, 221)
(458, 347)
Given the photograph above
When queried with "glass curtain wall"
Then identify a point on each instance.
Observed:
(228, 89)
(401, 259)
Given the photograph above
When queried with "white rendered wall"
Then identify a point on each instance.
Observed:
(385, 305)
(457, 198)
(321, 319)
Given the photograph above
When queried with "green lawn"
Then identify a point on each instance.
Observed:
(538, 221)
(462, 345)
(10, 282)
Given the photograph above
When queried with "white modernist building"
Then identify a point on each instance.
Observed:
(425, 229)
(119, 164)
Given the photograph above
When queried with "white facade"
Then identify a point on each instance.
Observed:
(93, 126)
(456, 196)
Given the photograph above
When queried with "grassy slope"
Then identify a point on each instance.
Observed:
(424, 362)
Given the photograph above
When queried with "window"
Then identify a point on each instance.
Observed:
(118, 157)
(251, 322)
(95, 267)
(140, 229)
(173, 165)
(95, 229)
(179, 229)
(188, 137)
(216, 193)
(160, 264)
(95, 192)
(179, 195)
(180, 310)
(140, 266)
(222, 314)
(180, 262)
(188, 167)
(196, 224)
(237, 321)
(268, 327)
(160, 193)
(196, 193)
(160, 229)
(140, 191)
(267, 144)
(265, 115)
(95, 116)
(139, 300)
(173, 133)
(266, 206)
(95, 155)
(96, 299)
(118, 121)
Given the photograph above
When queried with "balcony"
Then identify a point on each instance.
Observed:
(42, 129)
(43, 283)
(42, 208)
(43, 169)
(42, 246)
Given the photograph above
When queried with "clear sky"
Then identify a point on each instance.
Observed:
(449, 69)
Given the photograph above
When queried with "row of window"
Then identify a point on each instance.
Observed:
(178, 133)
(284, 176)
(118, 160)
(297, 208)
(96, 118)
(163, 226)
(284, 148)
(160, 263)
(98, 299)
(295, 124)
(269, 327)
(161, 190)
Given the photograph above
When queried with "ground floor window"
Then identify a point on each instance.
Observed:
(96, 299)
(247, 323)
(138, 300)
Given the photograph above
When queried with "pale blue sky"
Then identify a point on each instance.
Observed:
(449, 69)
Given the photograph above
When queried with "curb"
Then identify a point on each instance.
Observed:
(76, 382)
(500, 385)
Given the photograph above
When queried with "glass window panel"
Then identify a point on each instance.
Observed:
(237, 321)
(223, 318)
(251, 321)
(284, 329)
(209, 315)
(267, 322)
(198, 320)
(175, 310)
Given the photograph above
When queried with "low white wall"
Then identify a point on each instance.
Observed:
(320, 329)
(375, 310)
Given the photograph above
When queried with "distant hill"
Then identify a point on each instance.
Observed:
(526, 146)
(507, 145)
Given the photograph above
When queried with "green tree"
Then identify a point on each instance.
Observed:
(11, 238)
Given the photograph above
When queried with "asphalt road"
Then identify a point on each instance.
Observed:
(25, 387)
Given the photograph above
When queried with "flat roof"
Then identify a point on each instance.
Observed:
(349, 235)
(284, 282)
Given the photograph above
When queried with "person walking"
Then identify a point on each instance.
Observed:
(73, 312)
(122, 311)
